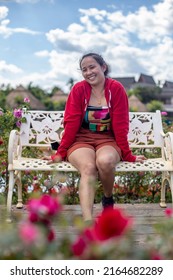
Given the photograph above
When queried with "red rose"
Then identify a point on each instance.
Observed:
(51, 235)
(86, 238)
(41, 209)
(112, 223)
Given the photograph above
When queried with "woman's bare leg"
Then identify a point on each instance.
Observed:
(106, 159)
(84, 161)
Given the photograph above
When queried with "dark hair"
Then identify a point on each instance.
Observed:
(99, 60)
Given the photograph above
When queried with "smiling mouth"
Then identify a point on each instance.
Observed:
(91, 78)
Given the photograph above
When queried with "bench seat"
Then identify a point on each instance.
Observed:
(32, 164)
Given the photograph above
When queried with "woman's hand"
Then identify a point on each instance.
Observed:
(140, 158)
(50, 161)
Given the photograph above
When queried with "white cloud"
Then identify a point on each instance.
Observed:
(134, 42)
(43, 53)
(9, 68)
(151, 26)
(6, 31)
(3, 12)
(138, 42)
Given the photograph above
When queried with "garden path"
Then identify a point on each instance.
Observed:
(145, 216)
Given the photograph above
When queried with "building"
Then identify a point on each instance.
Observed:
(59, 96)
(19, 94)
(136, 105)
(166, 95)
(131, 83)
(127, 82)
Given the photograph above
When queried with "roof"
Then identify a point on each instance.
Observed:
(59, 95)
(125, 81)
(22, 92)
(168, 84)
(146, 79)
(136, 105)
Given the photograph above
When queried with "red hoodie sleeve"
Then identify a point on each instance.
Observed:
(72, 121)
(120, 121)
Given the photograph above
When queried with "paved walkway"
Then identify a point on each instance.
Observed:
(145, 216)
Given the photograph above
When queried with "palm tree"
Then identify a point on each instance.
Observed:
(71, 82)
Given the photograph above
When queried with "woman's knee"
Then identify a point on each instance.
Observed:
(107, 161)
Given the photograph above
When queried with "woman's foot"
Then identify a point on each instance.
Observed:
(107, 201)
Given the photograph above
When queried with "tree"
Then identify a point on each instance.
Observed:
(37, 92)
(146, 94)
(54, 90)
(155, 105)
(71, 82)
(4, 91)
(60, 105)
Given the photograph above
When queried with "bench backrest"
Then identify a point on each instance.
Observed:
(43, 127)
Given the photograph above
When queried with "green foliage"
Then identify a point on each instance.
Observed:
(37, 92)
(9, 120)
(45, 98)
(145, 94)
(60, 105)
(54, 90)
(18, 100)
(8, 123)
(71, 83)
(4, 91)
(155, 105)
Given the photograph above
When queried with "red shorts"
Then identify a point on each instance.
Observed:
(93, 140)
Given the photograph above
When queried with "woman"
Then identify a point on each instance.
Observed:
(96, 124)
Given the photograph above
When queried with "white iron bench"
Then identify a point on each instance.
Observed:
(44, 127)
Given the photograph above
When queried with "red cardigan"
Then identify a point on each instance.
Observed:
(76, 105)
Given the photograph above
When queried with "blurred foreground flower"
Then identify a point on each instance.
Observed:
(44, 208)
(29, 233)
(169, 212)
(110, 237)
(109, 227)
(112, 223)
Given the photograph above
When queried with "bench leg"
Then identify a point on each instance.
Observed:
(165, 182)
(171, 185)
(19, 190)
(9, 196)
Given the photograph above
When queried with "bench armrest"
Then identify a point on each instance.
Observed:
(168, 146)
(14, 147)
(163, 134)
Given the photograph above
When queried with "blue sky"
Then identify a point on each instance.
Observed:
(41, 41)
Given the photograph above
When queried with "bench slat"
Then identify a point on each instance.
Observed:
(41, 165)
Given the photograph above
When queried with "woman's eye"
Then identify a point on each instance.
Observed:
(89, 68)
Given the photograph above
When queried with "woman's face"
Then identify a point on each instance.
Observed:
(92, 72)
